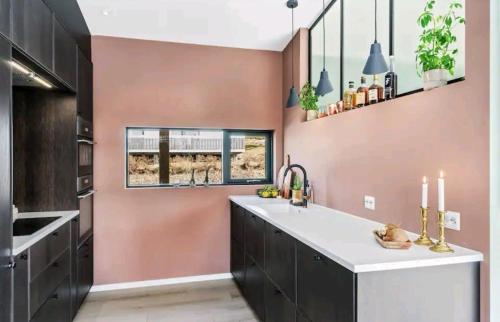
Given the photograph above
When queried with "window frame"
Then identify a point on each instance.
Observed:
(342, 53)
(225, 157)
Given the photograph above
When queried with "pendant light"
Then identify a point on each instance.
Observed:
(324, 86)
(376, 63)
(293, 98)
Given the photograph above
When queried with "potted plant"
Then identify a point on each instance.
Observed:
(297, 190)
(435, 54)
(309, 101)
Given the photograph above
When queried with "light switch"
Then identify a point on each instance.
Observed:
(452, 220)
(370, 202)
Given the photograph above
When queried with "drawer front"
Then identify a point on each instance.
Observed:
(325, 290)
(43, 253)
(238, 263)
(21, 287)
(237, 223)
(85, 267)
(255, 282)
(44, 285)
(255, 232)
(280, 259)
(57, 306)
(278, 307)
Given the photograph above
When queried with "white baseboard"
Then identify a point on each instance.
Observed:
(168, 281)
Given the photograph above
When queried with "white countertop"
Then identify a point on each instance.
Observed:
(347, 239)
(22, 243)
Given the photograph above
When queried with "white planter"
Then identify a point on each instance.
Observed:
(435, 78)
(312, 115)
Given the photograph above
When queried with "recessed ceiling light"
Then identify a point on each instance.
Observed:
(106, 12)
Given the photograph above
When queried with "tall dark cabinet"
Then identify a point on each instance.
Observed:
(5, 18)
(5, 182)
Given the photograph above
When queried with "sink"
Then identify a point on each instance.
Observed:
(29, 226)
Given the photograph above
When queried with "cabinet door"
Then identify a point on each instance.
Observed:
(57, 307)
(5, 182)
(21, 285)
(85, 87)
(85, 269)
(278, 307)
(280, 259)
(255, 282)
(32, 29)
(5, 18)
(237, 223)
(75, 225)
(64, 55)
(325, 290)
(238, 263)
(255, 234)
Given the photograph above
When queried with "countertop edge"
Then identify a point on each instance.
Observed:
(66, 216)
(366, 268)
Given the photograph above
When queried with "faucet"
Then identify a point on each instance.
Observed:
(306, 183)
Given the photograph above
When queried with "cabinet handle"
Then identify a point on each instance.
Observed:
(318, 258)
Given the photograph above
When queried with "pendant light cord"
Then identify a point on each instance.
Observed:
(293, 26)
(376, 20)
(324, 37)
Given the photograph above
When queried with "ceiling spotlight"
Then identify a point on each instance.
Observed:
(106, 12)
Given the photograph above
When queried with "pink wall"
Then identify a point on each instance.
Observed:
(385, 150)
(144, 234)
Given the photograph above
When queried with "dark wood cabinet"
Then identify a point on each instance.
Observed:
(5, 14)
(85, 87)
(278, 307)
(65, 55)
(21, 283)
(32, 30)
(85, 269)
(237, 223)
(5, 181)
(255, 283)
(75, 233)
(57, 306)
(238, 263)
(325, 289)
(255, 234)
(280, 259)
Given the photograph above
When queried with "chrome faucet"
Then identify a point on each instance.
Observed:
(306, 183)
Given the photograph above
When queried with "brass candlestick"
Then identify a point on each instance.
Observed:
(424, 239)
(441, 246)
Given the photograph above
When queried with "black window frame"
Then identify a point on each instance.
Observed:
(226, 159)
(342, 53)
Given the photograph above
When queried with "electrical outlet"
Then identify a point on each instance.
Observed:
(370, 202)
(452, 220)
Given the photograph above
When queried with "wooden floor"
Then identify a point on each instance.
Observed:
(204, 301)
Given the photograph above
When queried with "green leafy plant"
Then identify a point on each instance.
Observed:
(435, 49)
(297, 183)
(308, 98)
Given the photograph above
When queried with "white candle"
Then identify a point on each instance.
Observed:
(425, 192)
(441, 192)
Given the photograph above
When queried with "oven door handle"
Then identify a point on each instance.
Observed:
(88, 194)
(86, 141)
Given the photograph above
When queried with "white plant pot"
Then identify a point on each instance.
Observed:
(312, 115)
(435, 78)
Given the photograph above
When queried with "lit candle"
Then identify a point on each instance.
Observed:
(425, 192)
(441, 192)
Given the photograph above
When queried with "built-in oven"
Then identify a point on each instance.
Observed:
(85, 147)
(86, 206)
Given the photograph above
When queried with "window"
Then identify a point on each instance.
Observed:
(173, 157)
(349, 34)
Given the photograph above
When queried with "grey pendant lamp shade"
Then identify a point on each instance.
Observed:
(324, 86)
(293, 98)
(376, 63)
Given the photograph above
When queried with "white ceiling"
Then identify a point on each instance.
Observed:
(254, 24)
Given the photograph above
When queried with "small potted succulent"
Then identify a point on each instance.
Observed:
(436, 53)
(297, 190)
(309, 101)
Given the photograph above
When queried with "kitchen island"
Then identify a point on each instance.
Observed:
(320, 264)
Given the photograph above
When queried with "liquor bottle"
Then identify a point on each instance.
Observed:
(350, 97)
(391, 82)
(373, 91)
(362, 98)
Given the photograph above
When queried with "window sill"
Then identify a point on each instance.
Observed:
(197, 186)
